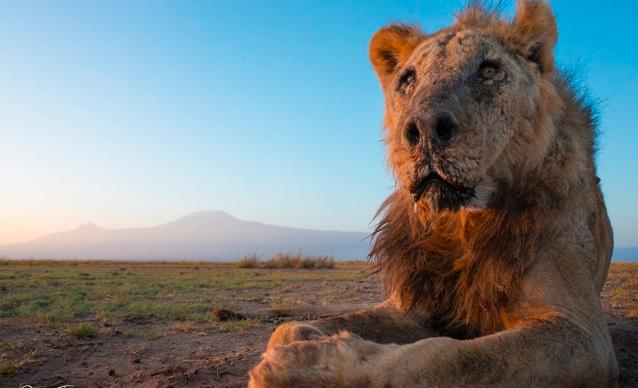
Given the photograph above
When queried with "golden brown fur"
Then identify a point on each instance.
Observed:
(495, 244)
(464, 266)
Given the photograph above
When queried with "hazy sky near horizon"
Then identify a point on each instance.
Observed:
(135, 113)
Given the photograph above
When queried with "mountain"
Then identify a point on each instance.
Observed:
(210, 235)
(626, 254)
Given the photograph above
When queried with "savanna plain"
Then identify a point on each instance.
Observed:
(196, 324)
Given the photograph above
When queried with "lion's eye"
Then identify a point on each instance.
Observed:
(490, 70)
(406, 80)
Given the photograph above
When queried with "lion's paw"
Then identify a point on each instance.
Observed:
(338, 361)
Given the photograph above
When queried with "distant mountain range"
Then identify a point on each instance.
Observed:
(210, 235)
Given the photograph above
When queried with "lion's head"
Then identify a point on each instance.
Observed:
(468, 108)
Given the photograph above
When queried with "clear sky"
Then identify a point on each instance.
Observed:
(132, 113)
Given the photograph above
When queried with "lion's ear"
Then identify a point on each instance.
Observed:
(390, 47)
(535, 33)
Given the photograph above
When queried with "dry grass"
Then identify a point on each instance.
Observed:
(83, 330)
(249, 261)
(8, 368)
(288, 261)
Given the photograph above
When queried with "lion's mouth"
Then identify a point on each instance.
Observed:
(442, 193)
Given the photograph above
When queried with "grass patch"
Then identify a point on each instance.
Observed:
(9, 368)
(83, 330)
(59, 293)
(226, 326)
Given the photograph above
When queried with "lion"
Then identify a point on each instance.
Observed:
(495, 244)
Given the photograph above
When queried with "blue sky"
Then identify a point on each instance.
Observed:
(135, 113)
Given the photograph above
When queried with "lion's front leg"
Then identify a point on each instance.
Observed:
(382, 324)
(545, 353)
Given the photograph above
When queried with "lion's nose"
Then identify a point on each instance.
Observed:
(438, 128)
(444, 128)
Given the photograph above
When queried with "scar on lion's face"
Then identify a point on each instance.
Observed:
(456, 102)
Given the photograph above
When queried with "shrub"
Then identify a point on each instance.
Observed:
(288, 261)
(249, 261)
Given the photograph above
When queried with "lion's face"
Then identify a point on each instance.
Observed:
(459, 105)
(455, 105)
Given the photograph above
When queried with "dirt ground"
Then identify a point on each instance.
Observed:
(151, 352)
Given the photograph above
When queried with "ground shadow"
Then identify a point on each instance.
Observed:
(624, 333)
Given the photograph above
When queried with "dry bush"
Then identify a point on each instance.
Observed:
(324, 262)
(288, 261)
(248, 261)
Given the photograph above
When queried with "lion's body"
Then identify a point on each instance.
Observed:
(496, 243)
